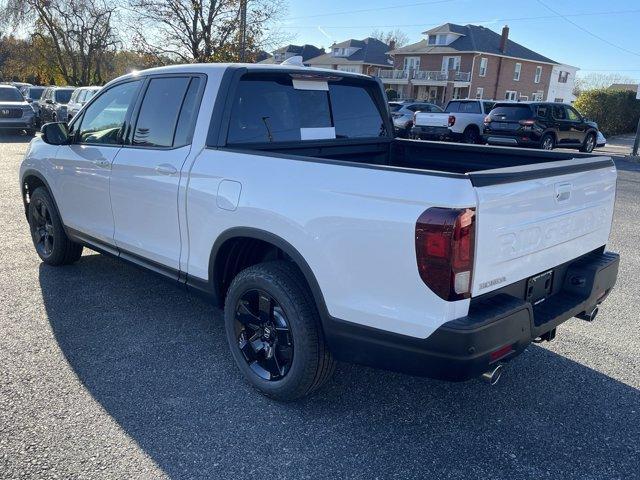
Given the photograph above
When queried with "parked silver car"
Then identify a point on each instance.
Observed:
(15, 112)
(402, 113)
(79, 97)
(32, 94)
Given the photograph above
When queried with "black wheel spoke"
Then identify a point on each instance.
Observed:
(264, 335)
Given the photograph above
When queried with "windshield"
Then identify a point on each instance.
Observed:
(63, 96)
(11, 94)
(35, 92)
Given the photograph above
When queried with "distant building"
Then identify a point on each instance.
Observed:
(284, 53)
(471, 61)
(562, 84)
(631, 87)
(366, 56)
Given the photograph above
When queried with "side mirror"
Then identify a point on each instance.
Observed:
(56, 133)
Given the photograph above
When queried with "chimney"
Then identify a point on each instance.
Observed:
(392, 45)
(505, 37)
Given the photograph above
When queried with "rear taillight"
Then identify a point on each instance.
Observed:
(527, 123)
(487, 120)
(452, 120)
(445, 242)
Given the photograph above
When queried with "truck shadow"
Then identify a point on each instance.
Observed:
(156, 359)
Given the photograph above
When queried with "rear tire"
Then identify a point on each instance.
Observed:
(274, 332)
(589, 143)
(547, 142)
(49, 238)
(471, 135)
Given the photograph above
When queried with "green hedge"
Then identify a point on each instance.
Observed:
(615, 111)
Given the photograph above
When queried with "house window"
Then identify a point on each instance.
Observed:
(511, 95)
(516, 72)
(479, 92)
(457, 93)
(411, 63)
(483, 67)
(450, 63)
(558, 100)
(537, 96)
(349, 68)
(538, 76)
(431, 40)
(441, 39)
(563, 77)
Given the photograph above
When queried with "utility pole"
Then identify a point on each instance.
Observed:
(636, 144)
(243, 30)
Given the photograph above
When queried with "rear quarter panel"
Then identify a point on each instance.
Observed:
(354, 226)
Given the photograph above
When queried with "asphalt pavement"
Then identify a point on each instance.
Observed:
(107, 371)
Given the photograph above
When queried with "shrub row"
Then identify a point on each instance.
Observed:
(615, 111)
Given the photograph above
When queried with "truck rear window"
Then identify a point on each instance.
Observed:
(272, 110)
(511, 112)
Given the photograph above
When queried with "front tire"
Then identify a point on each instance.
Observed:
(49, 238)
(274, 332)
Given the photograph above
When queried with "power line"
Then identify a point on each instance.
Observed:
(493, 20)
(564, 17)
(394, 7)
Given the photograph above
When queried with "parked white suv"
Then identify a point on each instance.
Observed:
(462, 121)
(281, 194)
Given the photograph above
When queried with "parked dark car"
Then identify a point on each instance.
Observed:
(32, 94)
(53, 104)
(15, 112)
(80, 96)
(545, 125)
(402, 112)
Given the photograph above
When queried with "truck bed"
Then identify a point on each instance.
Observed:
(449, 158)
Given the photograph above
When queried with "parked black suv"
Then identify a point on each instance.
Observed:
(543, 125)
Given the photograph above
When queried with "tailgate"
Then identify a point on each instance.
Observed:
(533, 218)
(430, 119)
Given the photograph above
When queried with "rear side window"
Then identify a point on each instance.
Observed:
(188, 115)
(511, 112)
(488, 106)
(469, 107)
(272, 110)
(159, 112)
(542, 111)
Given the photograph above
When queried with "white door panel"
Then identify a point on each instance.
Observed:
(144, 197)
(83, 174)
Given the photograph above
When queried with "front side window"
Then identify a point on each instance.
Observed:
(159, 112)
(572, 115)
(558, 112)
(271, 110)
(104, 118)
(516, 72)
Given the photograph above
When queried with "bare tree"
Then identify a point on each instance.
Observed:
(202, 30)
(398, 36)
(595, 80)
(77, 34)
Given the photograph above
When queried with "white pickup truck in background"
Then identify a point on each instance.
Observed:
(281, 194)
(462, 121)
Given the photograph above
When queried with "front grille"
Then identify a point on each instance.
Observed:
(10, 112)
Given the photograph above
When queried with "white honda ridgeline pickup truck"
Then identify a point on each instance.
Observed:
(281, 193)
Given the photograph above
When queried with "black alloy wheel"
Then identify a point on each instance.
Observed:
(263, 335)
(42, 229)
(547, 143)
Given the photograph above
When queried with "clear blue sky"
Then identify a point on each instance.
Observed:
(321, 22)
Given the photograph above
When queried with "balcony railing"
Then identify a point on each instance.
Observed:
(423, 75)
(394, 74)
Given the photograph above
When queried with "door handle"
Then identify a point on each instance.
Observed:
(102, 163)
(166, 169)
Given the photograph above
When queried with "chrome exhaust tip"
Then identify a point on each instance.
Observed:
(492, 376)
(589, 316)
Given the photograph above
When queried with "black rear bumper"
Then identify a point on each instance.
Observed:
(499, 326)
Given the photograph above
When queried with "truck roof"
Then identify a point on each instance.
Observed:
(217, 69)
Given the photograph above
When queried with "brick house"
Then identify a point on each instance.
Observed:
(468, 61)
